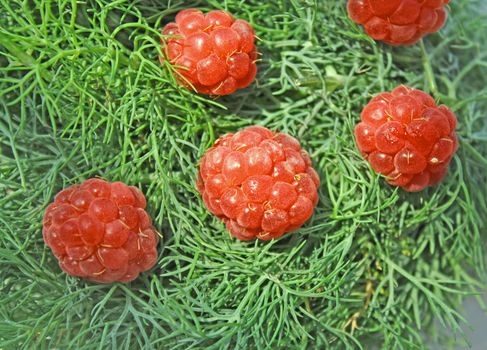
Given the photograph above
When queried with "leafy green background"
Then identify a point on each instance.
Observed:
(83, 94)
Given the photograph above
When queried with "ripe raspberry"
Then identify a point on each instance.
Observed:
(398, 22)
(260, 183)
(407, 137)
(216, 52)
(100, 231)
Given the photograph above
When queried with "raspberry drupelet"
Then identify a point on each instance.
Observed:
(260, 183)
(100, 231)
(398, 22)
(408, 138)
(215, 52)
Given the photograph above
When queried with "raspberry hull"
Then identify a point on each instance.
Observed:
(100, 231)
(398, 22)
(408, 138)
(260, 183)
(216, 53)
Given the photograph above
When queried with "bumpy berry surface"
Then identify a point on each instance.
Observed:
(215, 52)
(408, 138)
(260, 183)
(100, 231)
(398, 22)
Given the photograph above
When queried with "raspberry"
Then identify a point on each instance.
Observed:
(408, 138)
(260, 183)
(100, 231)
(216, 53)
(398, 22)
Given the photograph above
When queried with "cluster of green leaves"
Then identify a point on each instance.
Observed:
(82, 94)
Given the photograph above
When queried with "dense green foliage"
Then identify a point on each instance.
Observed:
(82, 94)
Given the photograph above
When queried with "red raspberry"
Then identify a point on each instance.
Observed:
(398, 22)
(407, 137)
(216, 52)
(260, 183)
(100, 231)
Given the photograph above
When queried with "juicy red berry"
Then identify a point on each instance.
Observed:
(398, 22)
(408, 138)
(100, 231)
(213, 52)
(260, 183)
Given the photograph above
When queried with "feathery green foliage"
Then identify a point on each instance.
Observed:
(82, 94)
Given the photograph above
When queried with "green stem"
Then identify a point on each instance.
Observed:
(430, 76)
(17, 52)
